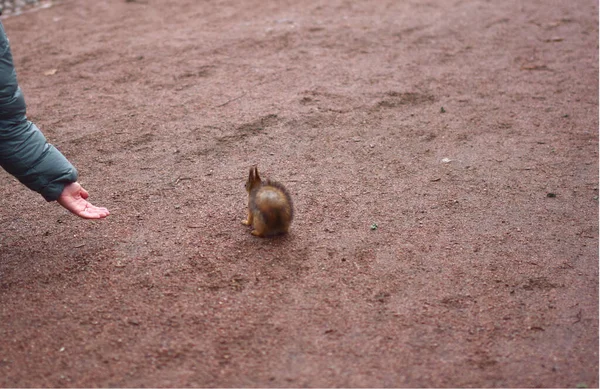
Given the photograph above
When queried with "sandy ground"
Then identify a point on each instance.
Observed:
(443, 160)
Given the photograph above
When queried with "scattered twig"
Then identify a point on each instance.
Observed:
(534, 67)
(181, 179)
(231, 100)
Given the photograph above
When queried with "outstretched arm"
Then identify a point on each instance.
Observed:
(25, 153)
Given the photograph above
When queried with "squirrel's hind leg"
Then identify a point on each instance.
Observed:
(260, 228)
(257, 233)
(249, 219)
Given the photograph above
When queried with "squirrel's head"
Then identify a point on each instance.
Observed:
(253, 179)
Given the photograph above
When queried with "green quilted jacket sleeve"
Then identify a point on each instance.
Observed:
(24, 151)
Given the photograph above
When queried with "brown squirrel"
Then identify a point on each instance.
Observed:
(270, 208)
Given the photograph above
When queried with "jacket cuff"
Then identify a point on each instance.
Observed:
(53, 190)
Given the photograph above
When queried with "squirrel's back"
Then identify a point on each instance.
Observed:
(272, 208)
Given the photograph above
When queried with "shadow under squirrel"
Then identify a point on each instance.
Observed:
(270, 208)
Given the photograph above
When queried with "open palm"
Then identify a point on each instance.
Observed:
(73, 198)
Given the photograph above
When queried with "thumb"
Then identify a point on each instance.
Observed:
(84, 193)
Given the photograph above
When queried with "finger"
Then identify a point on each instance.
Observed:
(100, 211)
(84, 193)
(89, 211)
(93, 214)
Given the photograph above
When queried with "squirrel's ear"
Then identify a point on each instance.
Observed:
(256, 176)
(251, 175)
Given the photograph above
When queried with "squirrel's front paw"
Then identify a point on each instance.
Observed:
(245, 222)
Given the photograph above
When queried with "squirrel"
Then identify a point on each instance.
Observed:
(270, 208)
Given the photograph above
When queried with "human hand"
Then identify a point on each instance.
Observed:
(73, 198)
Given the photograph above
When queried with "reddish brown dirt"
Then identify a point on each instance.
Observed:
(483, 271)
